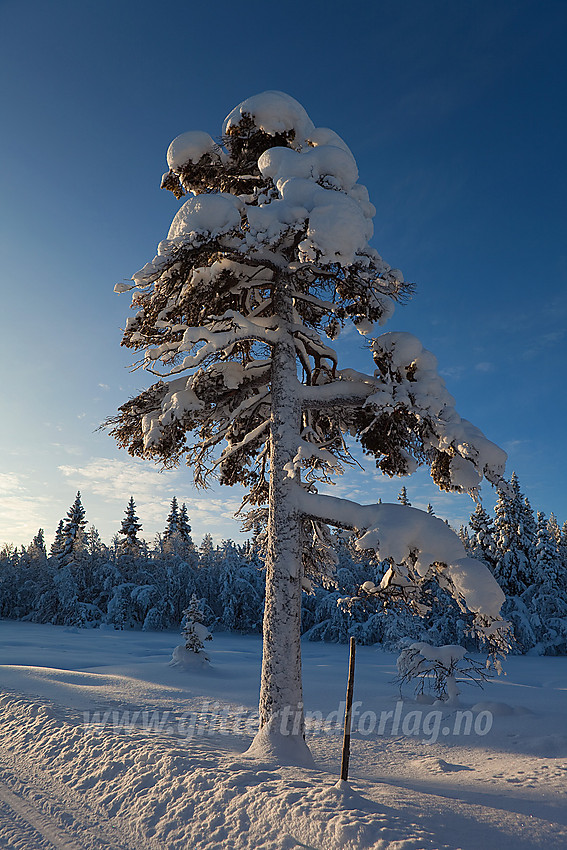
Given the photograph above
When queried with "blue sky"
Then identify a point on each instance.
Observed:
(455, 112)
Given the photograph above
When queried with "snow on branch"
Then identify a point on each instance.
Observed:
(214, 343)
(240, 329)
(336, 392)
(313, 343)
(325, 306)
(250, 437)
(408, 381)
(309, 452)
(402, 535)
(438, 667)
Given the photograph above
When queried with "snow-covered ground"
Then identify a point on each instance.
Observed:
(104, 745)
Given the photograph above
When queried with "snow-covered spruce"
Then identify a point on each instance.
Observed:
(515, 536)
(129, 529)
(195, 633)
(268, 256)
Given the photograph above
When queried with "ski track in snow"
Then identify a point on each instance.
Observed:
(106, 787)
(36, 813)
(25, 827)
(17, 830)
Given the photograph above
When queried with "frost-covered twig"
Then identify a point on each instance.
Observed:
(437, 668)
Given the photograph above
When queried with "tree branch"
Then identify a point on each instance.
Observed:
(336, 392)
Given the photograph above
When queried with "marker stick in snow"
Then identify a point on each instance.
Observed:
(348, 712)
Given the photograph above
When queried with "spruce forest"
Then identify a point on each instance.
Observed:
(133, 584)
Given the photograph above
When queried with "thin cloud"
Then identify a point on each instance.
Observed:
(68, 449)
(454, 373)
(542, 343)
(514, 445)
(114, 480)
(21, 511)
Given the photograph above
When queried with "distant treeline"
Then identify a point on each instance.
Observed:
(134, 585)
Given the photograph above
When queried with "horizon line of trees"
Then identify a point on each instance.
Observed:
(131, 584)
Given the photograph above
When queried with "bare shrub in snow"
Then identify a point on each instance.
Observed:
(437, 668)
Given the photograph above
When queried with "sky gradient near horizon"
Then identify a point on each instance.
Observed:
(455, 112)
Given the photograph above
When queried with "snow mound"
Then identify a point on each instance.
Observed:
(189, 147)
(187, 659)
(325, 136)
(273, 112)
(500, 709)
(337, 227)
(325, 162)
(206, 214)
(271, 746)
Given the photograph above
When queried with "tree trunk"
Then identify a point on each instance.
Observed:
(282, 728)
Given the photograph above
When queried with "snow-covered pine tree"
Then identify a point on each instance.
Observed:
(403, 497)
(172, 522)
(546, 598)
(93, 543)
(194, 633)
(208, 573)
(227, 595)
(240, 605)
(73, 531)
(553, 529)
(37, 548)
(178, 560)
(192, 628)
(207, 552)
(184, 527)
(465, 538)
(547, 567)
(59, 540)
(563, 548)
(177, 538)
(482, 542)
(513, 569)
(92, 561)
(129, 529)
(268, 255)
(73, 577)
(529, 536)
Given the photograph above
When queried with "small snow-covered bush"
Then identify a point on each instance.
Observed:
(195, 633)
(192, 627)
(437, 667)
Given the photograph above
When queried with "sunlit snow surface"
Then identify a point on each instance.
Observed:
(172, 775)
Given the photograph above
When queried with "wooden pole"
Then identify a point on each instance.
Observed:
(348, 712)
